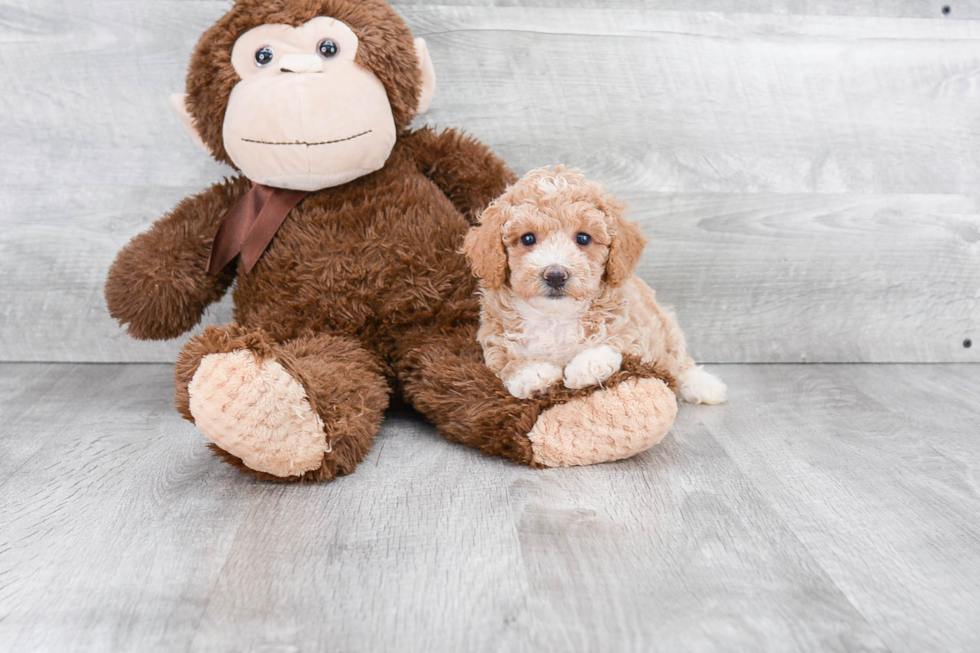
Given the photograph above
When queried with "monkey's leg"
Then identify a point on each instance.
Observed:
(443, 375)
(304, 410)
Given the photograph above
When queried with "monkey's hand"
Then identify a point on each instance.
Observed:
(462, 167)
(158, 286)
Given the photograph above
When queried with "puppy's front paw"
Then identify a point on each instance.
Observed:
(592, 367)
(534, 379)
(700, 387)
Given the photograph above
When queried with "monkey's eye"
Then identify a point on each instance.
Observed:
(583, 240)
(264, 56)
(528, 240)
(328, 49)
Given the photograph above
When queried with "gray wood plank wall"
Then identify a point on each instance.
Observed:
(809, 171)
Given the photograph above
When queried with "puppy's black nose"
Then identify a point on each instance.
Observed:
(555, 277)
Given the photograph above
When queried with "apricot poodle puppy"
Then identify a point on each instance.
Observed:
(560, 303)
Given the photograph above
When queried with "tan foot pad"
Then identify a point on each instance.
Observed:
(608, 425)
(257, 412)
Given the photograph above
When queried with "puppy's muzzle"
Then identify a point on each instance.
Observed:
(556, 277)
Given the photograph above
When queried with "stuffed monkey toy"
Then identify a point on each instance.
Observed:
(342, 236)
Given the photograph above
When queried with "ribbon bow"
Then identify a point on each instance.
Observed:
(251, 225)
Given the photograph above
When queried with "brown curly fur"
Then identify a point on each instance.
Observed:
(364, 286)
(447, 381)
(352, 411)
(157, 285)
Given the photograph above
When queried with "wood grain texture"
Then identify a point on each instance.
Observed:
(867, 464)
(99, 520)
(848, 130)
(877, 8)
(775, 278)
(706, 102)
(826, 508)
(817, 278)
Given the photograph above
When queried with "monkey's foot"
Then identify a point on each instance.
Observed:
(610, 424)
(256, 411)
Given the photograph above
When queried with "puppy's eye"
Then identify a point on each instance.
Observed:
(328, 49)
(528, 240)
(583, 240)
(264, 56)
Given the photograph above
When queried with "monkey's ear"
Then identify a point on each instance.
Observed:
(428, 76)
(179, 103)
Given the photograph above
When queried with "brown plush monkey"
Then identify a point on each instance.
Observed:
(343, 232)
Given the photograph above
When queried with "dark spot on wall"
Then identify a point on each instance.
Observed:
(946, 10)
(967, 343)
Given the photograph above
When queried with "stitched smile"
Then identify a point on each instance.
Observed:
(339, 140)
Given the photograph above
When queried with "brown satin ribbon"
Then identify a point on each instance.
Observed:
(251, 225)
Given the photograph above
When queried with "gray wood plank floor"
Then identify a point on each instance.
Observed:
(826, 508)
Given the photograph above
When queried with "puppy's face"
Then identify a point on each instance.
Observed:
(554, 235)
(556, 252)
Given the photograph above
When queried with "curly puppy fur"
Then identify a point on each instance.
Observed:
(559, 300)
(363, 289)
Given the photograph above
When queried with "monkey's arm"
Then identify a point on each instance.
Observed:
(462, 167)
(158, 285)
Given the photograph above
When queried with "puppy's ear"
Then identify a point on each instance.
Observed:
(484, 247)
(627, 242)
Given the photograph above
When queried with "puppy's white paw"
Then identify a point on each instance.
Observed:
(533, 379)
(592, 367)
(700, 387)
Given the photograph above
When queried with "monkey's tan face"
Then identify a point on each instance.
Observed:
(305, 115)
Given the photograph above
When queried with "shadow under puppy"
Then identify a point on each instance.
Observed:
(559, 300)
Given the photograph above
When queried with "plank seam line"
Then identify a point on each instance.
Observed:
(774, 512)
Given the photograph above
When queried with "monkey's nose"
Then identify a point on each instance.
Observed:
(301, 63)
(555, 276)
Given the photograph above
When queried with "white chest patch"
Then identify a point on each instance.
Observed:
(552, 331)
